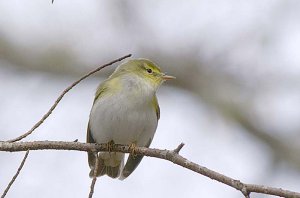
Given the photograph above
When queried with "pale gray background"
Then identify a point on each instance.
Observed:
(235, 103)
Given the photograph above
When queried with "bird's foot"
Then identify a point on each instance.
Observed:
(132, 149)
(110, 146)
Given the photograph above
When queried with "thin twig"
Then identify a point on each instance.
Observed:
(179, 147)
(94, 177)
(169, 155)
(62, 95)
(16, 175)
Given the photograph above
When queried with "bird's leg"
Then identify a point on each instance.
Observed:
(110, 146)
(132, 147)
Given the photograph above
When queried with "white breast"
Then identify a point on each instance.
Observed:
(126, 117)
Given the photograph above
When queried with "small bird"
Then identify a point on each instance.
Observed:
(125, 111)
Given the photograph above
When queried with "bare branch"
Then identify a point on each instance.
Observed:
(62, 95)
(169, 155)
(16, 175)
(179, 147)
(94, 177)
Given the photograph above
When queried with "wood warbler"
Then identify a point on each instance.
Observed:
(125, 111)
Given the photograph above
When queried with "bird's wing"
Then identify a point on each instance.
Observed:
(89, 138)
(134, 160)
(100, 90)
(91, 156)
(156, 106)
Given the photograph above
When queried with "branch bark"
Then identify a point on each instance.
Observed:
(16, 175)
(170, 155)
(93, 183)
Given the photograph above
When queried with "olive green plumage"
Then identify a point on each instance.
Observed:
(125, 111)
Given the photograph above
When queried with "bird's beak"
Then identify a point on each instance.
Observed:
(167, 77)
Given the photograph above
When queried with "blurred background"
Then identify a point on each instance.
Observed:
(235, 102)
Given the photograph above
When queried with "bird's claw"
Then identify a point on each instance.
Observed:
(110, 146)
(132, 149)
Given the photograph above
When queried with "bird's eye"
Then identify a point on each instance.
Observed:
(149, 71)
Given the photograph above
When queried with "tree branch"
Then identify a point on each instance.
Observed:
(62, 95)
(16, 175)
(170, 155)
(94, 177)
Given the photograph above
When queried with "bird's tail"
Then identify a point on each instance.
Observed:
(110, 164)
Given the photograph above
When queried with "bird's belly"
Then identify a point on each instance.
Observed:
(122, 123)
